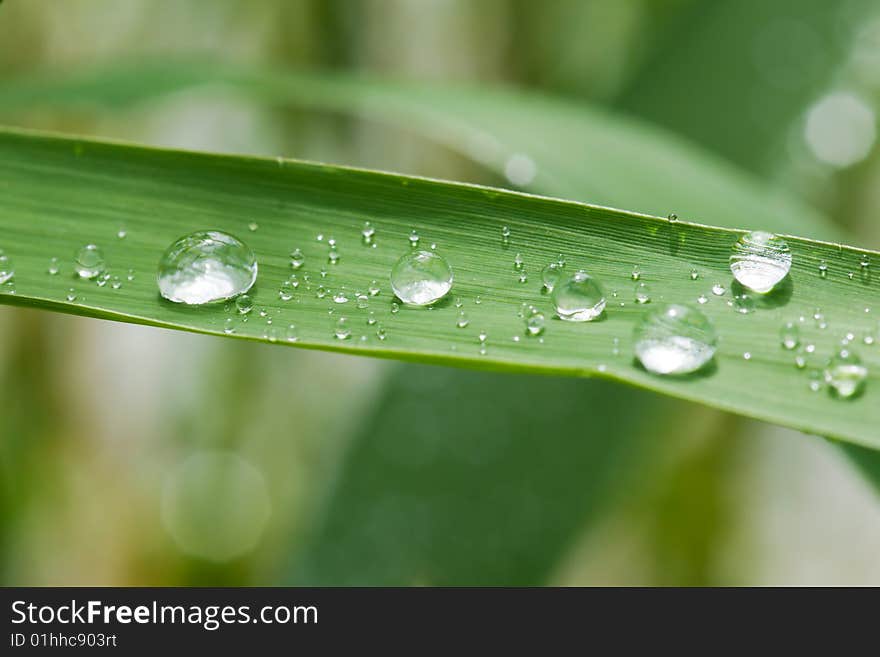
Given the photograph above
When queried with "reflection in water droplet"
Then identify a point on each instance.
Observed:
(760, 261)
(89, 261)
(421, 278)
(580, 298)
(674, 339)
(846, 374)
(206, 266)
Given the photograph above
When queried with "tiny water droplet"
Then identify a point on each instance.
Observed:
(823, 269)
(374, 288)
(462, 320)
(53, 267)
(414, 238)
(380, 333)
(206, 266)
(560, 260)
(672, 218)
(580, 298)
(523, 277)
(421, 278)
(244, 304)
(368, 232)
(790, 335)
(340, 297)
(342, 330)
(747, 355)
(371, 318)
(718, 290)
(702, 299)
(642, 293)
(130, 275)
(229, 326)
(550, 276)
(743, 304)
(518, 261)
(846, 374)
(458, 302)
(483, 336)
(505, 234)
(636, 273)
(89, 261)
(674, 339)
(864, 261)
(121, 233)
(296, 258)
(800, 362)
(694, 274)
(321, 292)
(333, 255)
(253, 226)
(534, 322)
(115, 283)
(323, 273)
(291, 335)
(478, 300)
(760, 261)
(815, 380)
(395, 308)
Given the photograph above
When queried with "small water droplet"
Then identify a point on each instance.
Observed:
(342, 330)
(483, 336)
(694, 274)
(395, 308)
(642, 293)
(89, 261)
(744, 304)
(718, 290)
(505, 233)
(672, 218)
(864, 261)
(462, 320)
(253, 226)
(115, 283)
(580, 298)
(534, 322)
(244, 304)
(320, 237)
(285, 293)
(53, 267)
(790, 335)
(371, 318)
(291, 334)
(760, 261)
(800, 362)
(523, 277)
(550, 276)
(121, 233)
(421, 278)
(747, 355)
(130, 275)
(702, 299)
(368, 232)
(321, 292)
(478, 300)
(414, 238)
(296, 258)
(333, 255)
(823, 269)
(206, 266)
(71, 295)
(636, 273)
(380, 333)
(340, 297)
(846, 374)
(458, 302)
(816, 380)
(229, 326)
(674, 339)
(374, 288)
(518, 261)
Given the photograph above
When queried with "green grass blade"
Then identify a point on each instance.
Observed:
(60, 193)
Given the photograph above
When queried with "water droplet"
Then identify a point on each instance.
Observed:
(743, 304)
(534, 322)
(579, 298)
(291, 335)
(296, 258)
(674, 339)
(560, 260)
(760, 261)
(121, 233)
(864, 261)
(53, 268)
(523, 277)
(321, 292)
(505, 234)
(374, 288)
(518, 261)
(846, 374)
(462, 320)
(89, 261)
(285, 293)
(718, 290)
(800, 362)
(206, 266)
(790, 335)
(368, 232)
(323, 273)
(702, 299)
(815, 380)
(244, 304)
(229, 326)
(810, 348)
(6, 269)
(340, 297)
(333, 255)
(550, 276)
(672, 218)
(115, 283)
(71, 295)
(458, 302)
(252, 226)
(483, 336)
(414, 238)
(694, 274)
(823, 269)
(394, 308)
(130, 275)
(636, 273)
(342, 330)
(320, 237)
(642, 293)
(380, 333)
(478, 300)
(421, 278)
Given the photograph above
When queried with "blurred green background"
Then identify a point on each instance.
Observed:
(131, 455)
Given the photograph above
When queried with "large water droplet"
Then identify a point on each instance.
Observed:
(760, 261)
(89, 261)
(206, 266)
(846, 374)
(579, 298)
(421, 278)
(674, 339)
